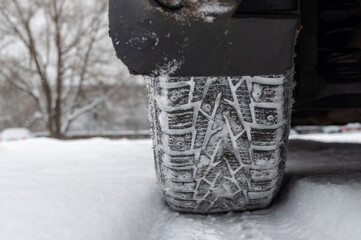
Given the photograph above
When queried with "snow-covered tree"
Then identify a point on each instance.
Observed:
(52, 50)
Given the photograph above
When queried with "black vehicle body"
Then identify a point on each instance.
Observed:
(248, 38)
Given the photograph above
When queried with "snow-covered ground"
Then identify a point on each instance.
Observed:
(106, 189)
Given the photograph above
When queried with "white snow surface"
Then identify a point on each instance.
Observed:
(351, 137)
(106, 189)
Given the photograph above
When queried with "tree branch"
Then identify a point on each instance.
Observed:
(76, 113)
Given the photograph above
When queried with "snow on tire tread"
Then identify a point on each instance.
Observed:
(220, 142)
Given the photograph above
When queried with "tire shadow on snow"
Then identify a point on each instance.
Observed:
(319, 162)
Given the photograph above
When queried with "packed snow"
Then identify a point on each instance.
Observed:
(207, 10)
(106, 189)
(351, 137)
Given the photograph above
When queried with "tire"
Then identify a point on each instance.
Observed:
(220, 143)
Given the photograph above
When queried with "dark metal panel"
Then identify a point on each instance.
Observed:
(308, 80)
(147, 37)
(262, 6)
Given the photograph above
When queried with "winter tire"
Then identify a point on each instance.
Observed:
(220, 143)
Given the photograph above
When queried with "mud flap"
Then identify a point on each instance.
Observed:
(206, 38)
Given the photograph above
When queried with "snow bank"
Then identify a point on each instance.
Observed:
(106, 189)
(353, 137)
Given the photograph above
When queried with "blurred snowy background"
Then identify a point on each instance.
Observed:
(59, 75)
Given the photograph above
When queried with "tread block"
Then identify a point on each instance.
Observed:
(231, 159)
(199, 83)
(263, 186)
(240, 198)
(246, 158)
(221, 169)
(202, 166)
(179, 195)
(234, 120)
(265, 158)
(203, 206)
(177, 161)
(243, 142)
(266, 116)
(211, 197)
(180, 143)
(260, 195)
(263, 175)
(219, 204)
(216, 89)
(244, 101)
(264, 137)
(201, 126)
(203, 188)
(241, 178)
(225, 188)
(179, 175)
(177, 96)
(267, 93)
(230, 203)
(180, 186)
(180, 119)
(181, 203)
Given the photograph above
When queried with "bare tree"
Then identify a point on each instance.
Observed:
(52, 50)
